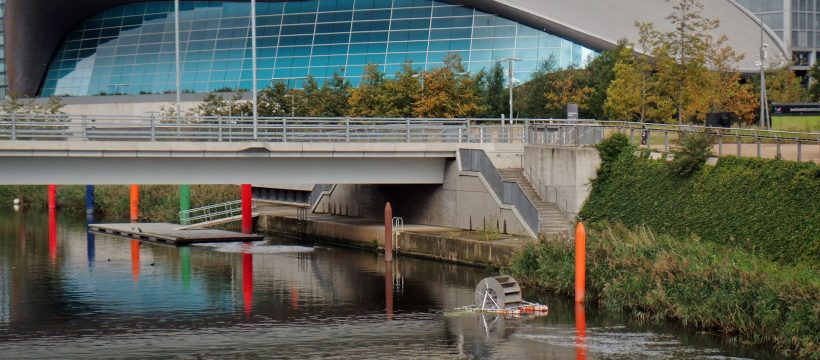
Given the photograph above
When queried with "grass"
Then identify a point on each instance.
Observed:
(112, 202)
(796, 123)
(700, 284)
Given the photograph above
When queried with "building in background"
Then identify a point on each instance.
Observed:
(85, 48)
(797, 23)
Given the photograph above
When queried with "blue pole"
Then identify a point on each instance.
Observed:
(89, 200)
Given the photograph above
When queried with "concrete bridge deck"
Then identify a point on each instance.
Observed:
(117, 162)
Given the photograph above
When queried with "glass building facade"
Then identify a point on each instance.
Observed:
(130, 49)
(796, 22)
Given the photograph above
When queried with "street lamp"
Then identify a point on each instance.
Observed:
(764, 108)
(420, 76)
(292, 104)
(511, 61)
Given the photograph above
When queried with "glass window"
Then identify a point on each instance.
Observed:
(130, 49)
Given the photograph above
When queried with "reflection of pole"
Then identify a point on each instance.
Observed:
(185, 263)
(388, 233)
(52, 235)
(90, 241)
(388, 289)
(135, 260)
(580, 262)
(247, 282)
(580, 332)
(247, 209)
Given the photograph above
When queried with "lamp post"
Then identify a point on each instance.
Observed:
(511, 62)
(253, 60)
(764, 108)
(176, 54)
(420, 76)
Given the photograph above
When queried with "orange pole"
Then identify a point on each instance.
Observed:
(580, 263)
(388, 232)
(135, 203)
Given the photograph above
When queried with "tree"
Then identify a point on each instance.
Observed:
(783, 86)
(631, 94)
(529, 99)
(332, 98)
(367, 100)
(814, 76)
(497, 96)
(568, 87)
(448, 92)
(600, 73)
(402, 92)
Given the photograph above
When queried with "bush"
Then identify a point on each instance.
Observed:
(768, 207)
(700, 284)
(695, 148)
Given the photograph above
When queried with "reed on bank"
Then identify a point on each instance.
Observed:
(701, 284)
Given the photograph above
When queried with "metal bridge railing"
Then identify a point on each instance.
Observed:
(60, 127)
(211, 213)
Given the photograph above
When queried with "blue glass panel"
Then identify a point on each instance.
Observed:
(130, 49)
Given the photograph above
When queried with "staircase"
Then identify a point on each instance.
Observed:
(550, 217)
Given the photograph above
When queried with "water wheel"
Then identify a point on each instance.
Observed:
(498, 293)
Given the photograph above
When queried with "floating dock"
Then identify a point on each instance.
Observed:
(171, 234)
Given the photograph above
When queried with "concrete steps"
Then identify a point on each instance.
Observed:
(551, 219)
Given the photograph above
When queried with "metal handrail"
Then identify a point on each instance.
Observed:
(210, 212)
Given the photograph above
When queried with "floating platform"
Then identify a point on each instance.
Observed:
(171, 234)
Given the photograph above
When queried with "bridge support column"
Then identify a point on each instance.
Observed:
(135, 202)
(52, 197)
(89, 200)
(184, 200)
(247, 209)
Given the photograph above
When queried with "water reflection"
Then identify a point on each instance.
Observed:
(52, 236)
(303, 300)
(90, 241)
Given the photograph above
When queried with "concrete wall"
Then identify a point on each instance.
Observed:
(562, 175)
(463, 201)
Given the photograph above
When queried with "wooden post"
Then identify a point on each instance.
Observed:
(580, 262)
(247, 209)
(388, 233)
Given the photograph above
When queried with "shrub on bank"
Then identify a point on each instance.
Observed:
(157, 202)
(702, 284)
(769, 207)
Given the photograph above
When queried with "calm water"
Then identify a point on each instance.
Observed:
(67, 294)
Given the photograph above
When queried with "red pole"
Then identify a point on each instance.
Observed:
(580, 262)
(388, 232)
(135, 203)
(52, 197)
(247, 209)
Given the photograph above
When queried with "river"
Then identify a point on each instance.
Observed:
(68, 294)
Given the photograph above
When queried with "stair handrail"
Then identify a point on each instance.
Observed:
(509, 192)
(210, 212)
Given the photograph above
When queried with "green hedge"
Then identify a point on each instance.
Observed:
(768, 207)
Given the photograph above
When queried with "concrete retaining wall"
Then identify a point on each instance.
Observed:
(463, 251)
(562, 175)
(463, 201)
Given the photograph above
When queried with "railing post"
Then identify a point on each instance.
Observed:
(468, 131)
(739, 152)
(631, 136)
(153, 128)
(526, 138)
(14, 126)
(777, 140)
(219, 128)
(757, 141)
(347, 129)
(407, 124)
(578, 136)
(665, 140)
(799, 150)
(284, 129)
(720, 144)
(481, 135)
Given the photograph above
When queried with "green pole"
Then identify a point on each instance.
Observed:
(184, 201)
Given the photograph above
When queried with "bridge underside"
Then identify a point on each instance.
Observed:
(114, 171)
